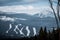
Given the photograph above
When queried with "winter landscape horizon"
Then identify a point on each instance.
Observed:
(24, 18)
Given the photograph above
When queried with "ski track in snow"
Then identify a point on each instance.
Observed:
(10, 26)
(20, 30)
(28, 31)
(34, 29)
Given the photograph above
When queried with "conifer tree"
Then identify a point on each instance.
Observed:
(45, 33)
(53, 34)
(41, 34)
(49, 35)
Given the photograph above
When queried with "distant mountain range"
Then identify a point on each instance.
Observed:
(23, 16)
(39, 15)
(36, 20)
(44, 14)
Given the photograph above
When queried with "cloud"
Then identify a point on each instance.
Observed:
(4, 18)
(18, 9)
(13, 2)
(21, 19)
(5, 2)
(29, 9)
(30, 1)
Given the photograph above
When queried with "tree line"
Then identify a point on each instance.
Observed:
(43, 35)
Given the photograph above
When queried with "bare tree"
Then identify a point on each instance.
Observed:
(55, 14)
(58, 5)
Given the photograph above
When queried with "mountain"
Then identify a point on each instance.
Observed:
(37, 16)
(31, 21)
(40, 15)
(44, 14)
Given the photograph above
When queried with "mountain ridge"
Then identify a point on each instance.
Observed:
(40, 15)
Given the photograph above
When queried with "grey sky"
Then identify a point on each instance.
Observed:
(24, 6)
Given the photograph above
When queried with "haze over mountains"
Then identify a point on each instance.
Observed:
(25, 17)
(41, 15)
(37, 20)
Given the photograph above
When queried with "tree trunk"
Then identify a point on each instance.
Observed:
(58, 11)
(51, 5)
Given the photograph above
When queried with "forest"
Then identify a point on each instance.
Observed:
(43, 35)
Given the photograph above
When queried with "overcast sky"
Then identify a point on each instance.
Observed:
(24, 6)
